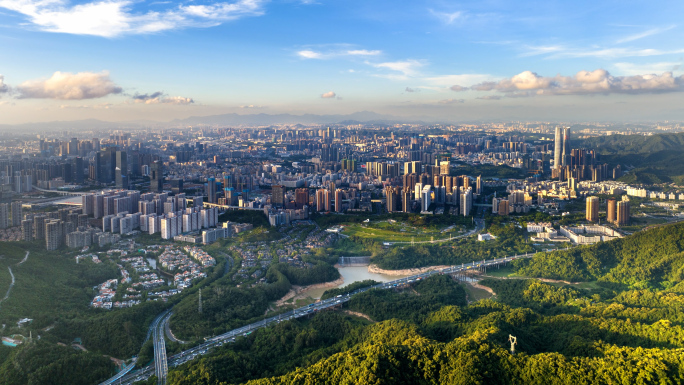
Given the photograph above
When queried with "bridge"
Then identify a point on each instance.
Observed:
(226, 207)
(60, 192)
(228, 337)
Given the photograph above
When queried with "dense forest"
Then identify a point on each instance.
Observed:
(43, 363)
(427, 334)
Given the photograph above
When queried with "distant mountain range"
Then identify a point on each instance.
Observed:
(225, 119)
(266, 119)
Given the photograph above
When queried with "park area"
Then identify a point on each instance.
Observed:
(399, 231)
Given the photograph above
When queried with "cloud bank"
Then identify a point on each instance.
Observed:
(69, 86)
(160, 98)
(599, 81)
(111, 18)
(3, 87)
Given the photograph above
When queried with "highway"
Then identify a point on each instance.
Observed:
(162, 362)
(123, 376)
(161, 368)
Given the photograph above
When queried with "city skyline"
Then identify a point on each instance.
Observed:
(426, 60)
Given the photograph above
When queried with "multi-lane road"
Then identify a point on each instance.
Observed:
(162, 362)
(124, 375)
(161, 368)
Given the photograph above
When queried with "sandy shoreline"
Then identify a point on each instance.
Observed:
(376, 270)
(299, 292)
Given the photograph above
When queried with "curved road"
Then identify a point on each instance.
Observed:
(13, 279)
(199, 350)
(168, 332)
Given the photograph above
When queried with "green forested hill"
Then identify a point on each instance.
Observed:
(650, 258)
(655, 158)
(634, 144)
(565, 335)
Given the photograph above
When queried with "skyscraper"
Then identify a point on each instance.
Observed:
(106, 165)
(478, 185)
(16, 213)
(301, 197)
(339, 195)
(321, 195)
(466, 201)
(557, 148)
(211, 190)
(425, 197)
(592, 209)
(121, 170)
(77, 170)
(53, 234)
(392, 195)
(278, 195)
(157, 176)
(623, 213)
(566, 138)
(406, 195)
(4, 215)
(611, 211)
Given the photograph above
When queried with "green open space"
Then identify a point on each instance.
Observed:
(386, 231)
(502, 272)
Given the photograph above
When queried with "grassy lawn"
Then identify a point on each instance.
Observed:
(398, 232)
(506, 271)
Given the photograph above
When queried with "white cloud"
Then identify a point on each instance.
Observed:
(338, 51)
(618, 52)
(542, 50)
(409, 89)
(489, 97)
(447, 17)
(329, 95)
(68, 86)
(458, 88)
(599, 81)
(3, 87)
(641, 35)
(179, 100)
(159, 97)
(308, 54)
(251, 106)
(111, 18)
(363, 52)
(406, 69)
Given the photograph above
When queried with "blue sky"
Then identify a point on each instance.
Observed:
(456, 61)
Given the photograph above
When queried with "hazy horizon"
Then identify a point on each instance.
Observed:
(121, 61)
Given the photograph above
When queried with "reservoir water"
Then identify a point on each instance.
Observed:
(353, 274)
